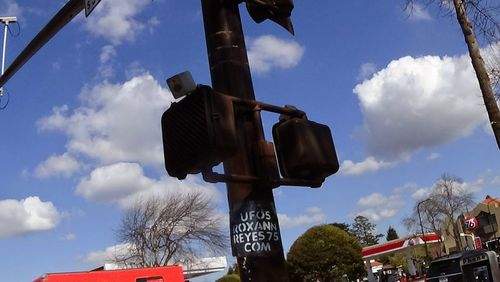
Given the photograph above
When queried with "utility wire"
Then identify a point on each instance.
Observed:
(6, 98)
(18, 30)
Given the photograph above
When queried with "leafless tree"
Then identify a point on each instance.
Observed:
(176, 229)
(478, 17)
(439, 212)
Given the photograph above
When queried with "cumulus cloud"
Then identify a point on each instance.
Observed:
(64, 165)
(377, 206)
(474, 186)
(115, 122)
(26, 216)
(419, 103)
(267, 52)
(99, 258)
(312, 215)
(116, 20)
(125, 183)
(421, 193)
(370, 164)
(366, 70)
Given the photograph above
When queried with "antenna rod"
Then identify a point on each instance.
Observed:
(64, 16)
(5, 21)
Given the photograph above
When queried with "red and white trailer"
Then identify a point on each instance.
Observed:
(154, 274)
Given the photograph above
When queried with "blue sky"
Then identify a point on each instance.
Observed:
(80, 138)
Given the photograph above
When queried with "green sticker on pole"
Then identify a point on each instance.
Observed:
(255, 230)
(90, 5)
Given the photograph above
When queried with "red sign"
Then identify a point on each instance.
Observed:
(477, 243)
(471, 223)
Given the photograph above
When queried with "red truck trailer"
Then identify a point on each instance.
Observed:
(154, 274)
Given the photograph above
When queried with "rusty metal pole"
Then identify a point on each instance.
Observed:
(255, 235)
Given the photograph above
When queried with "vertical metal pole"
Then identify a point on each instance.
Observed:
(422, 228)
(6, 25)
(255, 237)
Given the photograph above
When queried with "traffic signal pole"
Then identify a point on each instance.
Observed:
(255, 236)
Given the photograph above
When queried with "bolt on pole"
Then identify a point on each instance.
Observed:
(255, 236)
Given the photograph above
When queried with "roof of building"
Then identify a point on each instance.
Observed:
(398, 245)
(491, 201)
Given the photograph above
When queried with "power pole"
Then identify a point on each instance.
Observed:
(259, 259)
(5, 21)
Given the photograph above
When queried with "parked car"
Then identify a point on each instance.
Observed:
(445, 269)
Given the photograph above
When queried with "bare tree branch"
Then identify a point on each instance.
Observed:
(447, 201)
(177, 229)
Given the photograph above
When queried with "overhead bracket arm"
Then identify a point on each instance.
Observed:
(63, 17)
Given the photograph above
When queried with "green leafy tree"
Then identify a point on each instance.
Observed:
(342, 225)
(325, 253)
(363, 229)
(233, 269)
(229, 278)
(391, 234)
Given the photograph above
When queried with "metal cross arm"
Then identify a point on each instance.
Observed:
(63, 17)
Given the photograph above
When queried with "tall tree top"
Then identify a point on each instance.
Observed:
(391, 234)
(364, 230)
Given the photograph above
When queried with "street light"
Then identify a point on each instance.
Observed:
(422, 227)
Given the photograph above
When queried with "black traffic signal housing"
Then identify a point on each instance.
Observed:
(305, 149)
(279, 11)
(199, 132)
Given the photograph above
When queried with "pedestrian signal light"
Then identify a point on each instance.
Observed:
(199, 132)
(279, 11)
(305, 149)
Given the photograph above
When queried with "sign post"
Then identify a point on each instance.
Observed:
(255, 236)
(90, 5)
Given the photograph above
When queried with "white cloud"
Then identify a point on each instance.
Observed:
(69, 237)
(474, 187)
(10, 8)
(375, 199)
(313, 215)
(153, 22)
(267, 52)
(26, 216)
(366, 70)
(115, 20)
(99, 258)
(377, 206)
(108, 53)
(419, 103)
(495, 180)
(421, 193)
(433, 156)
(115, 122)
(370, 164)
(125, 183)
(64, 165)
(410, 186)
(417, 12)
(471, 187)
